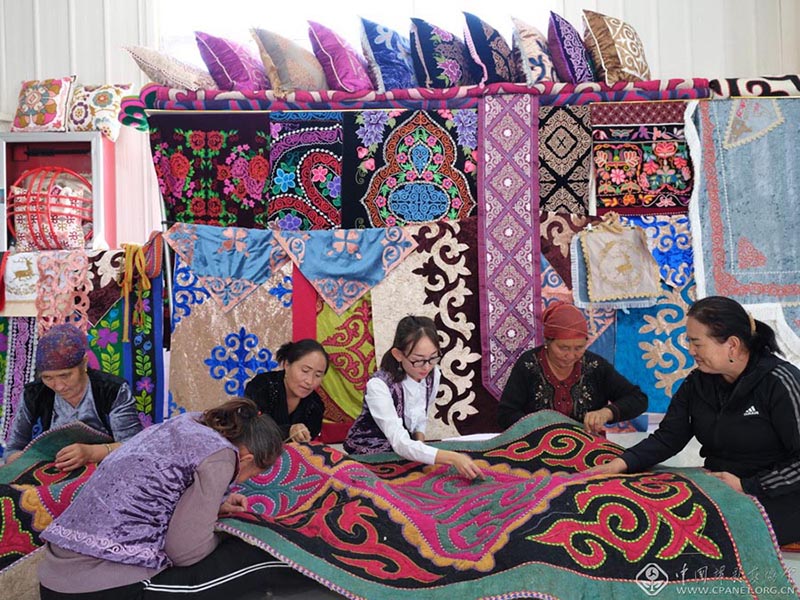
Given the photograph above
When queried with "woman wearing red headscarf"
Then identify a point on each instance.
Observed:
(562, 375)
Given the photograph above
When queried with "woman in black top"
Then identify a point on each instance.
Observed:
(289, 396)
(742, 403)
(561, 375)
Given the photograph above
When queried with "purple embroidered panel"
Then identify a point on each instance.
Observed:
(570, 57)
(508, 240)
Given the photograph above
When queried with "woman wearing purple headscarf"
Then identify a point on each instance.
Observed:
(68, 390)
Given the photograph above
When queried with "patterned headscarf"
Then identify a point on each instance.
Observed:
(564, 321)
(63, 347)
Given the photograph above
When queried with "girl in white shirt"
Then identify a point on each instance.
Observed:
(396, 402)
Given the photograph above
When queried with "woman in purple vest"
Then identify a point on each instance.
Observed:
(397, 398)
(143, 524)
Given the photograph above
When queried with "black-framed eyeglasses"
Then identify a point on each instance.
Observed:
(417, 363)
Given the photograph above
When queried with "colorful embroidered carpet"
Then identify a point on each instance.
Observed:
(534, 527)
(19, 354)
(746, 214)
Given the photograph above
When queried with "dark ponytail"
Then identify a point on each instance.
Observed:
(410, 330)
(294, 351)
(725, 317)
(240, 422)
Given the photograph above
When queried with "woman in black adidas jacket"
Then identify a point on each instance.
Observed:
(743, 404)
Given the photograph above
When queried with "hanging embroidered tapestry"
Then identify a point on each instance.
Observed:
(215, 352)
(19, 337)
(534, 526)
(230, 262)
(565, 154)
(212, 168)
(508, 236)
(409, 166)
(305, 154)
(670, 243)
(557, 231)
(344, 264)
(20, 277)
(746, 214)
(641, 158)
(659, 360)
(62, 291)
(439, 280)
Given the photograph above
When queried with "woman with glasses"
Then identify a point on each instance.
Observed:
(562, 375)
(397, 398)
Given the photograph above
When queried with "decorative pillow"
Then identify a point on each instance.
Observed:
(344, 68)
(166, 70)
(43, 105)
(232, 65)
(570, 57)
(441, 59)
(535, 60)
(289, 66)
(615, 47)
(96, 108)
(388, 57)
(489, 51)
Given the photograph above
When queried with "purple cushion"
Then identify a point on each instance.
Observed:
(570, 57)
(232, 65)
(345, 69)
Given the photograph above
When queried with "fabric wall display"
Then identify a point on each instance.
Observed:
(62, 292)
(405, 166)
(641, 157)
(440, 280)
(212, 168)
(785, 323)
(580, 285)
(19, 355)
(230, 262)
(670, 243)
(659, 360)
(344, 264)
(214, 352)
(787, 85)
(416, 534)
(348, 340)
(557, 231)
(140, 360)
(601, 322)
(619, 264)
(749, 248)
(565, 150)
(508, 235)
(305, 157)
(104, 270)
(20, 278)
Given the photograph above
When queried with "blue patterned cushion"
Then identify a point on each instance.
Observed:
(441, 59)
(388, 56)
(570, 57)
(489, 51)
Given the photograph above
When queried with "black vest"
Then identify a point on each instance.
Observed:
(40, 399)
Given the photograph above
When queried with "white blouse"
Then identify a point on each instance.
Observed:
(381, 407)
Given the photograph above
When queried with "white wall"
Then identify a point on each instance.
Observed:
(51, 38)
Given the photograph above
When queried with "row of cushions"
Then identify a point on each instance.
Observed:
(431, 57)
(59, 104)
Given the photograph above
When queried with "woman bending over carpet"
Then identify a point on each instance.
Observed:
(143, 524)
(742, 403)
(396, 401)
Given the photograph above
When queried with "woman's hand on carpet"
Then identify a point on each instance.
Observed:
(465, 466)
(73, 456)
(233, 503)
